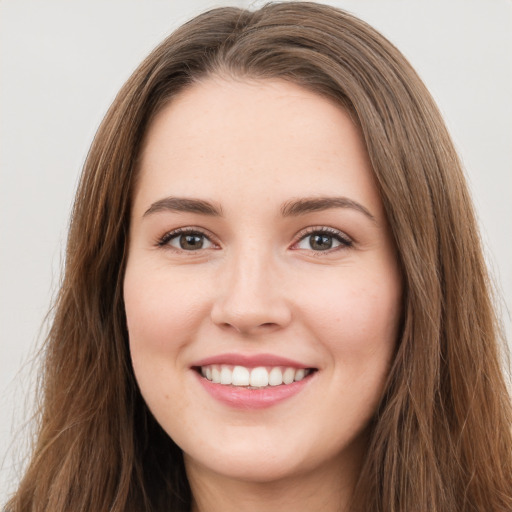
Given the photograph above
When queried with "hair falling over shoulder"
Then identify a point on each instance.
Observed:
(441, 438)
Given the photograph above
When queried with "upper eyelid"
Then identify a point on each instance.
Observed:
(322, 229)
(162, 240)
(168, 235)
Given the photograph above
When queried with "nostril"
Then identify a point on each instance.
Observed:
(242, 328)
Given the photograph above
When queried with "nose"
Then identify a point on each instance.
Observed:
(251, 298)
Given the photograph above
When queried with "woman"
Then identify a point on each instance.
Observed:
(274, 295)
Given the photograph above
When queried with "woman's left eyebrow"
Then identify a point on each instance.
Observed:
(183, 204)
(305, 205)
(292, 208)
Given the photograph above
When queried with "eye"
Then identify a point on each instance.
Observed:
(324, 239)
(186, 240)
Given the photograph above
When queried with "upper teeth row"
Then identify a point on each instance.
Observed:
(258, 377)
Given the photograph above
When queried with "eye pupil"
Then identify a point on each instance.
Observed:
(191, 241)
(320, 242)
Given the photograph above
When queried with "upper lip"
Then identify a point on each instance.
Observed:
(250, 361)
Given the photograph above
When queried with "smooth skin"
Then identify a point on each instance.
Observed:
(251, 270)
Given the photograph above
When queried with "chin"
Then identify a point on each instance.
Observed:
(250, 467)
(257, 458)
(251, 458)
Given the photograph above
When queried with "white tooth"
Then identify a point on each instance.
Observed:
(226, 375)
(300, 374)
(215, 374)
(209, 372)
(203, 371)
(259, 377)
(275, 377)
(240, 376)
(289, 375)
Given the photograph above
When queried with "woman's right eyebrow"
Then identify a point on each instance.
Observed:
(290, 208)
(182, 204)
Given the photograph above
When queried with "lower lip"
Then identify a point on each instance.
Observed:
(243, 398)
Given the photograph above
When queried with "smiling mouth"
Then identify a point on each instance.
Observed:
(253, 378)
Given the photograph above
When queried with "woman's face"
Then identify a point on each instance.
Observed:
(262, 289)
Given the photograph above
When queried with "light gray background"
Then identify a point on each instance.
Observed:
(61, 64)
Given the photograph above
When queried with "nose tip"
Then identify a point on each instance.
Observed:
(250, 317)
(251, 302)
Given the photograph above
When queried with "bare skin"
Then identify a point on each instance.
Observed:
(257, 231)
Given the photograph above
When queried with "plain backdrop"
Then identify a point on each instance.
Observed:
(61, 64)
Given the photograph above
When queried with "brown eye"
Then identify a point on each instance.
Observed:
(191, 242)
(187, 241)
(323, 240)
(320, 242)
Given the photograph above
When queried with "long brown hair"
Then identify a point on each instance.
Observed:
(441, 437)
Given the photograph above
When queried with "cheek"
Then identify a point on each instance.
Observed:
(160, 309)
(159, 320)
(357, 319)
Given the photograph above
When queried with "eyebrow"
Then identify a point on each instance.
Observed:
(180, 204)
(302, 206)
(292, 208)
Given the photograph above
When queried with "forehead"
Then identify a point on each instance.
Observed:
(236, 111)
(272, 138)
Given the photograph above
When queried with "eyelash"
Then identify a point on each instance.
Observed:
(164, 240)
(339, 236)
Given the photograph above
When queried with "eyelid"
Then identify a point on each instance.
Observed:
(163, 241)
(336, 233)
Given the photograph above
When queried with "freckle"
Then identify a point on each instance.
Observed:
(167, 397)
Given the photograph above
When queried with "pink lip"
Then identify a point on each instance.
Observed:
(250, 361)
(242, 398)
